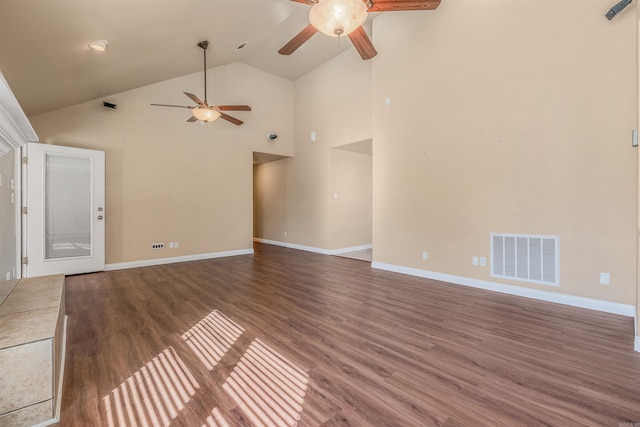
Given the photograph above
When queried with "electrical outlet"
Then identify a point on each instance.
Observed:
(474, 260)
(8, 275)
(176, 245)
(157, 246)
(170, 245)
(285, 234)
(483, 262)
(425, 255)
(605, 278)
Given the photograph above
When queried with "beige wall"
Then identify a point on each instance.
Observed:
(508, 116)
(351, 202)
(505, 116)
(334, 101)
(169, 180)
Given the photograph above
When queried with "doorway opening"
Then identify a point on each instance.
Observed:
(352, 200)
(269, 196)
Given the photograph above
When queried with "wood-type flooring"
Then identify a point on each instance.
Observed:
(286, 337)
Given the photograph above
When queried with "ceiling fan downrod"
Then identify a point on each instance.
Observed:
(204, 45)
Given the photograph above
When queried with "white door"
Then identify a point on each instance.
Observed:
(65, 215)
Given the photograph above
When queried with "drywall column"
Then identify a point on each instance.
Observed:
(333, 108)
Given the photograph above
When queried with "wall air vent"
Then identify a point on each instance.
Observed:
(525, 257)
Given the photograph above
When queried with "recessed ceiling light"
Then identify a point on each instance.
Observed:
(99, 45)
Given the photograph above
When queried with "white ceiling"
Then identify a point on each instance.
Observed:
(44, 52)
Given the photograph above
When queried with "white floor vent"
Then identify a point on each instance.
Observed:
(529, 258)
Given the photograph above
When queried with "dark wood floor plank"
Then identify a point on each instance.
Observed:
(286, 337)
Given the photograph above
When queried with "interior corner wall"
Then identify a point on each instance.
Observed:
(169, 180)
(334, 103)
(351, 202)
(512, 117)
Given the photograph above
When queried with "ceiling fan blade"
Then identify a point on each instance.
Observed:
(298, 40)
(391, 5)
(232, 108)
(192, 119)
(231, 119)
(362, 43)
(194, 98)
(170, 105)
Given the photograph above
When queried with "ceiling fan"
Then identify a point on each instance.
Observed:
(203, 111)
(338, 18)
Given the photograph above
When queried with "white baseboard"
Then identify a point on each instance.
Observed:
(293, 246)
(351, 249)
(575, 301)
(636, 347)
(311, 248)
(160, 261)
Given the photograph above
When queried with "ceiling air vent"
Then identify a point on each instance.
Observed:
(526, 257)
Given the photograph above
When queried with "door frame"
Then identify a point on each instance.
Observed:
(98, 181)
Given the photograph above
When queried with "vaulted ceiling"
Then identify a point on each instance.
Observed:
(44, 52)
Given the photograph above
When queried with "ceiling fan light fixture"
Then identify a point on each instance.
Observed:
(99, 45)
(337, 18)
(206, 114)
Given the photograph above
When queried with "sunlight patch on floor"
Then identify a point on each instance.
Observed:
(268, 388)
(152, 396)
(215, 419)
(212, 337)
